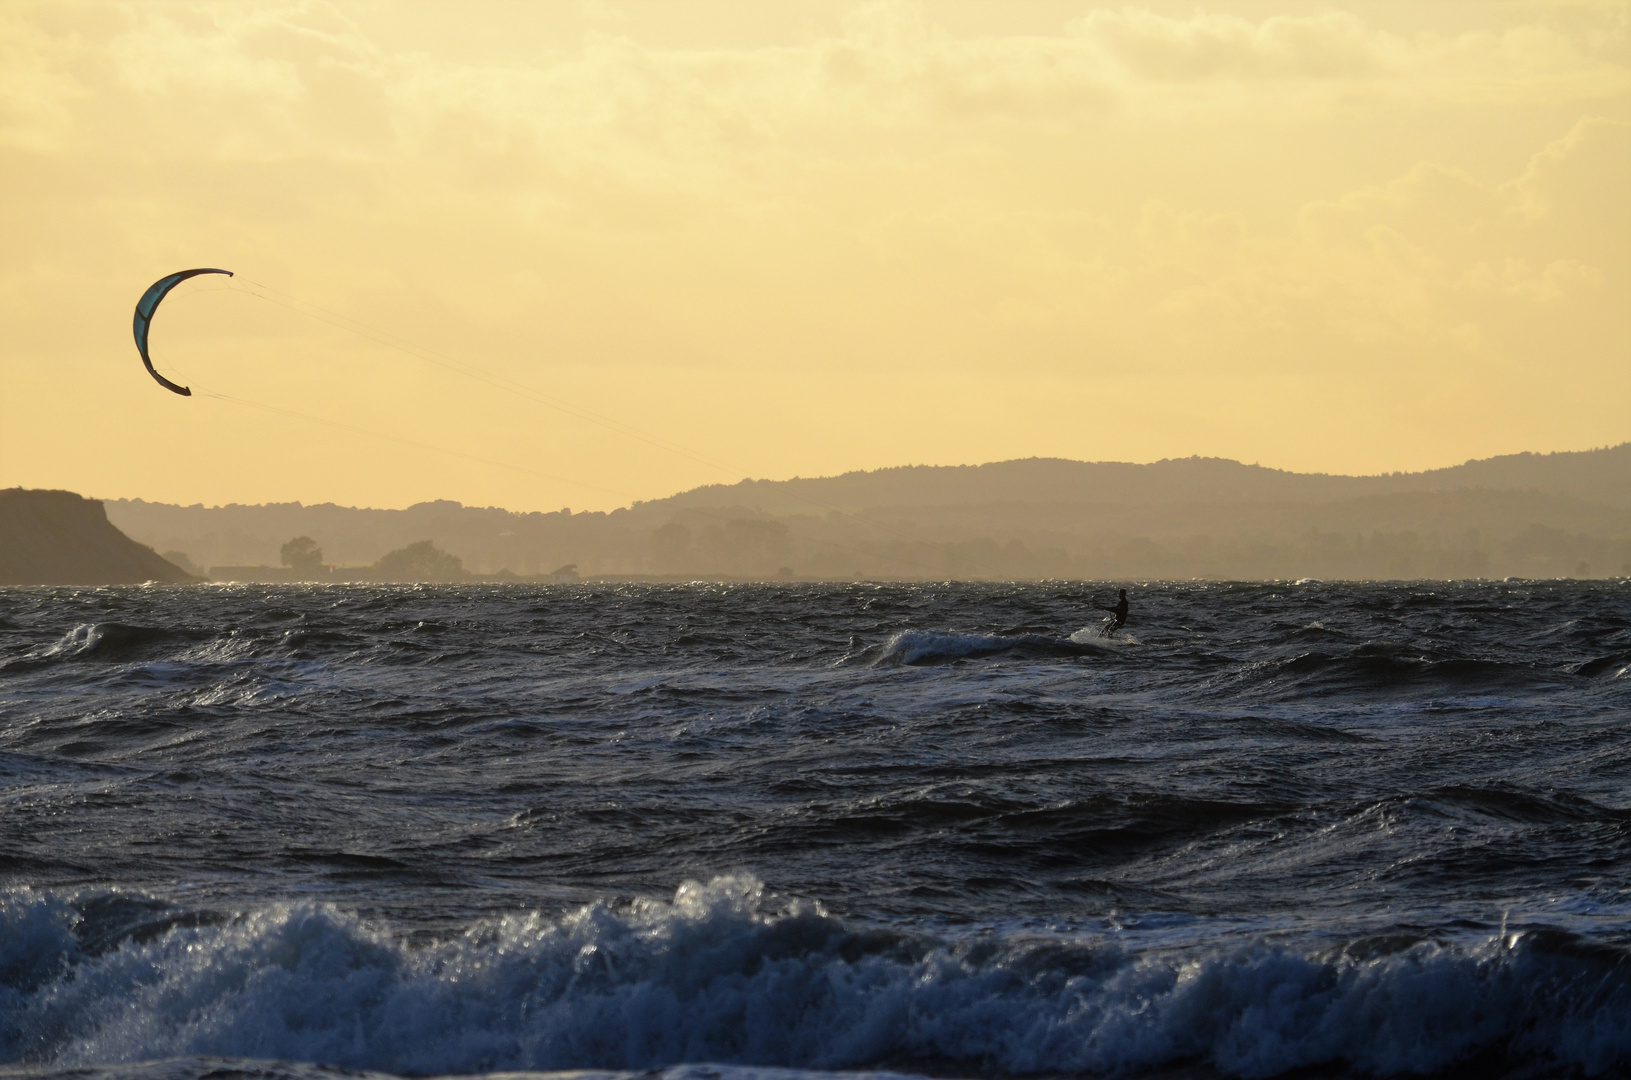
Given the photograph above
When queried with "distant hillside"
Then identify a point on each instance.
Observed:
(60, 538)
(1601, 476)
(488, 539)
(1538, 515)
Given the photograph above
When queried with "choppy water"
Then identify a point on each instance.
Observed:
(1346, 829)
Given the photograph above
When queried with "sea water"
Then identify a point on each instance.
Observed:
(779, 831)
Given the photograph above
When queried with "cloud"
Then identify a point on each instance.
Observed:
(1431, 270)
(600, 11)
(1334, 61)
(1205, 46)
(38, 93)
(301, 78)
(1570, 199)
(1437, 255)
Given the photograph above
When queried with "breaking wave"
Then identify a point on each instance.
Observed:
(724, 973)
(923, 647)
(107, 641)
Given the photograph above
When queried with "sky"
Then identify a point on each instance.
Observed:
(579, 254)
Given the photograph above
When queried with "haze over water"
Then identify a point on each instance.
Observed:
(1371, 829)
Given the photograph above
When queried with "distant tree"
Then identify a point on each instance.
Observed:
(671, 547)
(302, 555)
(423, 561)
(745, 545)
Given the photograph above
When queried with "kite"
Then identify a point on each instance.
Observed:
(144, 319)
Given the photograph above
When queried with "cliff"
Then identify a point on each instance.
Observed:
(60, 538)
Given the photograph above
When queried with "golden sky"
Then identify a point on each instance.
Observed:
(632, 246)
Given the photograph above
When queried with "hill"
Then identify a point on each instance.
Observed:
(1601, 476)
(1533, 515)
(60, 538)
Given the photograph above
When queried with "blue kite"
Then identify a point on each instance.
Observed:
(144, 319)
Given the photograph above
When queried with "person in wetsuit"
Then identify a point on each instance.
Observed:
(1120, 613)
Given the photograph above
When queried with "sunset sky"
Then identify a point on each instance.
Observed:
(576, 254)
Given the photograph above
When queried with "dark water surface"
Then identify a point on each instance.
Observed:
(1338, 828)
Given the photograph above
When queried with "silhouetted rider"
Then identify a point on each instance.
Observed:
(1120, 613)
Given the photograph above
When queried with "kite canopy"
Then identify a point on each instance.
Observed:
(144, 318)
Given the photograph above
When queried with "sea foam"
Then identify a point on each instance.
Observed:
(938, 647)
(723, 973)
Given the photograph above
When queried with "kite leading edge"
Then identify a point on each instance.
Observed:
(144, 318)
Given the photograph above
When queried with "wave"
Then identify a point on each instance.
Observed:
(1381, 669)
(110, 641)
(1613, 667)
(252, 1069)
(1523, 807)
(1282, 727)
(923, 647)
(1096, 637)
(115, 643)
(723, 973)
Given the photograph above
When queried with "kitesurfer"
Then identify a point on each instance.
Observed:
(1118, 614)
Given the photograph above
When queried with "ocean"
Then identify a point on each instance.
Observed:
(784, 831)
